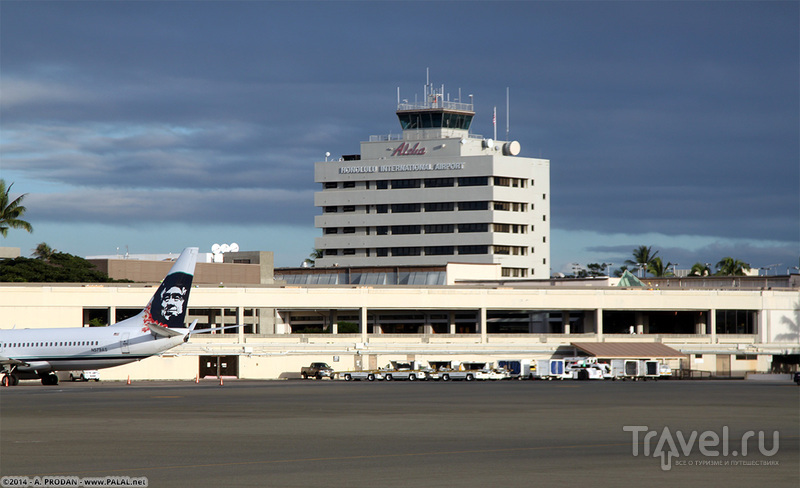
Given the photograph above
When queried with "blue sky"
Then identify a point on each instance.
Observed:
(156, 125)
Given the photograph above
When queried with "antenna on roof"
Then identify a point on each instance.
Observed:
(508, 108)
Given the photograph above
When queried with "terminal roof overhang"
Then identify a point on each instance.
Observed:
(627, 350)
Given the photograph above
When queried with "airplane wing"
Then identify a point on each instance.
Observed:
(4, 361)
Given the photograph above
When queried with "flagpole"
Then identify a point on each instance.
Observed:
(494, 122)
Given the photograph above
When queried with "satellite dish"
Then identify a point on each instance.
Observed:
(224, 248)
(234, 247)
(487, 143)
(215, 248)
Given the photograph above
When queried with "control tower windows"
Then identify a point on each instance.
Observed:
(434, 119)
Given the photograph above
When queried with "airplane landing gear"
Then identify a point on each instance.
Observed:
(10, 380)
(49, 379)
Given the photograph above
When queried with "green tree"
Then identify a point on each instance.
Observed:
(729, 266)
(11, 211)
(596, 269)
(700, 269)
(658, 269)
(61, 268)
(312, 258)
(44, 252)
(642, 257)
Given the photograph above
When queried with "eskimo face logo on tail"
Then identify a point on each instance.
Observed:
(168, 307)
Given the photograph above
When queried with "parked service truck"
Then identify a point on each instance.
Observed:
(316, 370)
(521, 369)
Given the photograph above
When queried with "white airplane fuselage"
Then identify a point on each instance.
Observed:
(44, 350)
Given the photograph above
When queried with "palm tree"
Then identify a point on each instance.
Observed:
(643, 257)
(312, 258)
(11, 211)
(700, 269)
(731, 267)
(658, 269)
(43, 252)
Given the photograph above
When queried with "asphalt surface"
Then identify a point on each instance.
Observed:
(456, 434)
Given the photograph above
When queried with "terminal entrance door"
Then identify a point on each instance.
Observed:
(723, 364)
(217, 366)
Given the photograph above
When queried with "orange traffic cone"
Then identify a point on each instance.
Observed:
(197, 378)
(220, 381)
(129, 379)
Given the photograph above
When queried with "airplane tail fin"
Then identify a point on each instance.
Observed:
(168, 306)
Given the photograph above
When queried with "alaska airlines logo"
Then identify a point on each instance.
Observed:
(405, 149)
(168, 307)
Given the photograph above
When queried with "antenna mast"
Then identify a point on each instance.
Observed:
(508, 108)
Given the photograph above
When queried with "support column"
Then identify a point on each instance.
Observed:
(334, 322)
(712, 314)
(362, 323)
(565, 322)
(482, 325)
(112, 315)
(240, 321)
(451, 320)
(599, 324)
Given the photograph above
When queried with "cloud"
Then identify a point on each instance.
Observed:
(206, 207)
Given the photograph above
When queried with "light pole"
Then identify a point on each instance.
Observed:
(608, 268)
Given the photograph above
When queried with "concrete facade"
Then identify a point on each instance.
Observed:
(442, 322)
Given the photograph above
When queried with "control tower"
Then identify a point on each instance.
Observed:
(434, 194)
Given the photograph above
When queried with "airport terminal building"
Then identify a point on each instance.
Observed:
(723, 326)
(435, 194)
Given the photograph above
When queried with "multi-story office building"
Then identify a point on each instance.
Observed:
(435, 194)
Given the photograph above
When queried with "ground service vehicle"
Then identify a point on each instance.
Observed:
(550, 369)
(521, 369)
(316, 370)
(360, 375)
(398, 370)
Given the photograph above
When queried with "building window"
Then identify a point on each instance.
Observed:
(348, 252)
(473, 206)
(502, 250)
(331, 230)
(331, 252)
(382, 230)
(406, 229)
(736, 321)
(349, 208)
(382, 252)
(349, 184)
(406, 251)
(349, 230)
(439, 229)
(400, 184)
(473, 181)
(473, 227)
(382, 184)
(406, 207)
(330, 185)
(440, 207)
(439, 251)
(473, 249)
(439, 182)
(382, 208)
(330, 209)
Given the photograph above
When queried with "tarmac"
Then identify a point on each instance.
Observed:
(404, 434)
